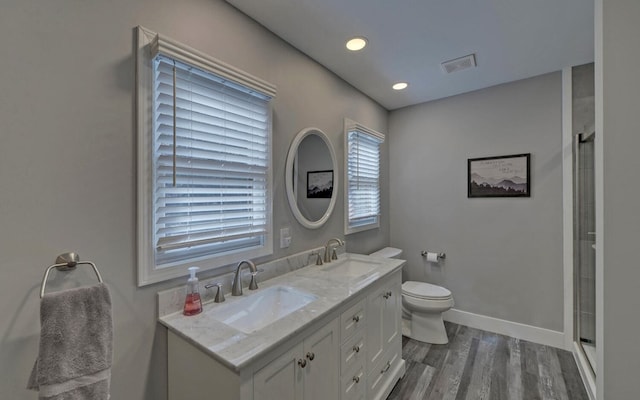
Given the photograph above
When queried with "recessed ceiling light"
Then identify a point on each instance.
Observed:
(357, 43)
(400, 85)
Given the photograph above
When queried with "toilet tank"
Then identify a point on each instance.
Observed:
(387, 252)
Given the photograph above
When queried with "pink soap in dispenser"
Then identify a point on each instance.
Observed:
(192, 304)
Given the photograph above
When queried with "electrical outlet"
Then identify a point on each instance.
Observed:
(285, 238)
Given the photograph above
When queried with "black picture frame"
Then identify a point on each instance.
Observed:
(320, 184)
(500, 176)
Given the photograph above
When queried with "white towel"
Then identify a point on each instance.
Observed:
(76, 345)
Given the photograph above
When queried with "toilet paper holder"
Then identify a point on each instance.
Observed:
(441, 256)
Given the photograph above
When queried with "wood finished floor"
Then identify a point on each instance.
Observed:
(482, 365)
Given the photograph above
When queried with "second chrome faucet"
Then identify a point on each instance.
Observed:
(331, 255)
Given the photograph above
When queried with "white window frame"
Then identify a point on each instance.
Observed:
(350, 126)
(150, 43)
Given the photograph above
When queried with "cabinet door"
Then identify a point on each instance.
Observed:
(321, 374)
(374, 333)
(281, 379)
(383, 319)
(391, 317)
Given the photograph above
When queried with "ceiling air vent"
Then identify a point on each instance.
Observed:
(459, 64)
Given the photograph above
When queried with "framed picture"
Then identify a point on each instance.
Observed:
(319, 184)
(503, 176)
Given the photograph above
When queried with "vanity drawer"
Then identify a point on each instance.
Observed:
(353, 351)
(353, 386)
(351, 320)
(381, 373)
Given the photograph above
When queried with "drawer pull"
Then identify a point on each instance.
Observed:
(356, 318)
(386, 368)
(356, 349)
(356, 379)
(387, 295)
(311, 356)
(302, 363)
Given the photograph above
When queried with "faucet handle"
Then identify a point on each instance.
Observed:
(253, 285)
(318, 257)
(334, 256)
(219, 293)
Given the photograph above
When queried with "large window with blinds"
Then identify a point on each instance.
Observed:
(207, 165)
(362, 177)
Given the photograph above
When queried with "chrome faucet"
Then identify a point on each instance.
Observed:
(328, 255)
(236, 289)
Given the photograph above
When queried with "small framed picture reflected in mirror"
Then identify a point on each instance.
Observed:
(319, 184)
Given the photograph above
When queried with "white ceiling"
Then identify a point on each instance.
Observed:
(408, 39)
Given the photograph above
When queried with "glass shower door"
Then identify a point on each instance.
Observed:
(584, 245)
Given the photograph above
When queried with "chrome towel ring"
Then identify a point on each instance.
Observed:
(67, 262)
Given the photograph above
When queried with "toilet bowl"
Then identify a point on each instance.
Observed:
(422, 306)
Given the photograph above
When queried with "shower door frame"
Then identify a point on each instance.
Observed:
(579, 139)
(568, 161)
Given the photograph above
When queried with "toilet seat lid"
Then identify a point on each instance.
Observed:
(423, 290)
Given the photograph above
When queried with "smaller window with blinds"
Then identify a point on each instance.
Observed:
(204, 162)
(362, 177)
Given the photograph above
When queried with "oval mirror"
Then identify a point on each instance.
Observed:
(311, 177)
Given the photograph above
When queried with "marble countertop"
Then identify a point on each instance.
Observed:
(236, 349)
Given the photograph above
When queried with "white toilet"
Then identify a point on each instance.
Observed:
(422, 306)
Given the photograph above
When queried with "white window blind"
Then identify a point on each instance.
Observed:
(362, 177)
(204, 160)
(211, 158)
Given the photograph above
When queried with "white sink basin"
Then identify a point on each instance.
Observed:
(263, 308)
(350, 268)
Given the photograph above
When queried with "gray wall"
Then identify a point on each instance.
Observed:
(504, 256)
(618, 190)
(67, 159)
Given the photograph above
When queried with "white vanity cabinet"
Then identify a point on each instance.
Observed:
(308, 371)
(282, 378)
(383, 336)
(352, 352)
(371, 353)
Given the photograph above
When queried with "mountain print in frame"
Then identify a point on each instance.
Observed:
(320, 184)
(503, 176)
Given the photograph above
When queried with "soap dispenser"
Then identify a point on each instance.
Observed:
(192, 303)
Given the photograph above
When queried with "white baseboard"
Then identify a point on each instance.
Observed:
(513, 329)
